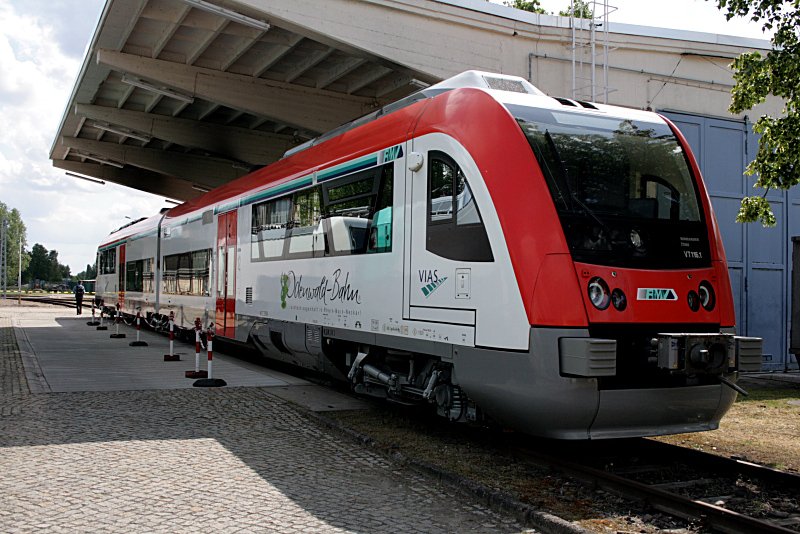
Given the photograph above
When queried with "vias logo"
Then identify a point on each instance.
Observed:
(432, 277)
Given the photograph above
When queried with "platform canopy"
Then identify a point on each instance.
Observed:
(176, 97)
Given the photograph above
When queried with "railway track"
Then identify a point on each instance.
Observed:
(67, 300)
(721, 494)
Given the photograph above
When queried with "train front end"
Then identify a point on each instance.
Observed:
(623, 273)
(650, 266)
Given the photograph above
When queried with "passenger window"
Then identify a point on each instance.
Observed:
(306, 235)
(107, 263)
(359, 212)
(187, 273)
(455, 229)
(268, 232)
(348, 215)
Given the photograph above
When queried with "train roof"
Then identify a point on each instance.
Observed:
(138, 227)
(304, 159)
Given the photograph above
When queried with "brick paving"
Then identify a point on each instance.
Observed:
(188, 460)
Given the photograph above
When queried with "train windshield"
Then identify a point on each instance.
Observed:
(622, 188)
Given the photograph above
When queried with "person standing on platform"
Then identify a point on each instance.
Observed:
(79, 291)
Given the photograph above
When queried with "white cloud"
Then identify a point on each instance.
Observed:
(60, 212)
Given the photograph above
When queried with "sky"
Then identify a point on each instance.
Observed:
(42, 45)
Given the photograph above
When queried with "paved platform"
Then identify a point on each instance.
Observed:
(110, 438)
(62, 354)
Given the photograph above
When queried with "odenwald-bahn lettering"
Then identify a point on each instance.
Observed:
(337, 288)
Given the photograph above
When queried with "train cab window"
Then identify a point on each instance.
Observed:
(455, 229)
(270, 222)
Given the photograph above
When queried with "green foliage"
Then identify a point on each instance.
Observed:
(16, 234)
(756, 208)
(777, 163)
(44, 265)
(527, 5)
(89, 274)
(581, 9)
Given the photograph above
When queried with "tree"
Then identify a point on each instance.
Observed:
(58, 272)
(89, 274)
(44, 265)
(777, 162)
(527, 5)
(580, 8)
(16, 234)
(39, 267)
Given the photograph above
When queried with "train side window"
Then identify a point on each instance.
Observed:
(380, 232)
(268, 232)
(359, 212)
(187, 273)
(108, 261)
(148, 276)
(134, 275)
(306, 234)
(455, 229)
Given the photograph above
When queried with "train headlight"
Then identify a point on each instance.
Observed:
(694, 300)
(598, 293)
(619, 300)
(706, 293)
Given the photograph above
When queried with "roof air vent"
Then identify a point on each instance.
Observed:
(587, 105)
(566, 102)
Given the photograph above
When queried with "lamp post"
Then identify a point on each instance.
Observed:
(19, 273)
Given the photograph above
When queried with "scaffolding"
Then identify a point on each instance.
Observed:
(588, 56)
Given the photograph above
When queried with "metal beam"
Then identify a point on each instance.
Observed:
(311, 109)
(140, 179)
(119, 23)
(240, 144)
(426, 39)
(198, 169)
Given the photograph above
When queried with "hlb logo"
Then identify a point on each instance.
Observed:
(651, 293)
(391, 154)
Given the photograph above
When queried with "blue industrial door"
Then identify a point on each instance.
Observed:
(759, 258)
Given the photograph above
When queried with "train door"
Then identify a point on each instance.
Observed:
(447, 238)
(226, 275)
(121, 279)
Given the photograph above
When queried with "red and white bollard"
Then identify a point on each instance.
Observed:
(197, 373)
(117, 335)
(210, 381)
(94, 321)
(172, 357)
(138, 342)
(102, 312)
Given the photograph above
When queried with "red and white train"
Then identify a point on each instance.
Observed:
(478, 246)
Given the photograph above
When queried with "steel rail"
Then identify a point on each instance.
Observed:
(733, 466)
(710, 515)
